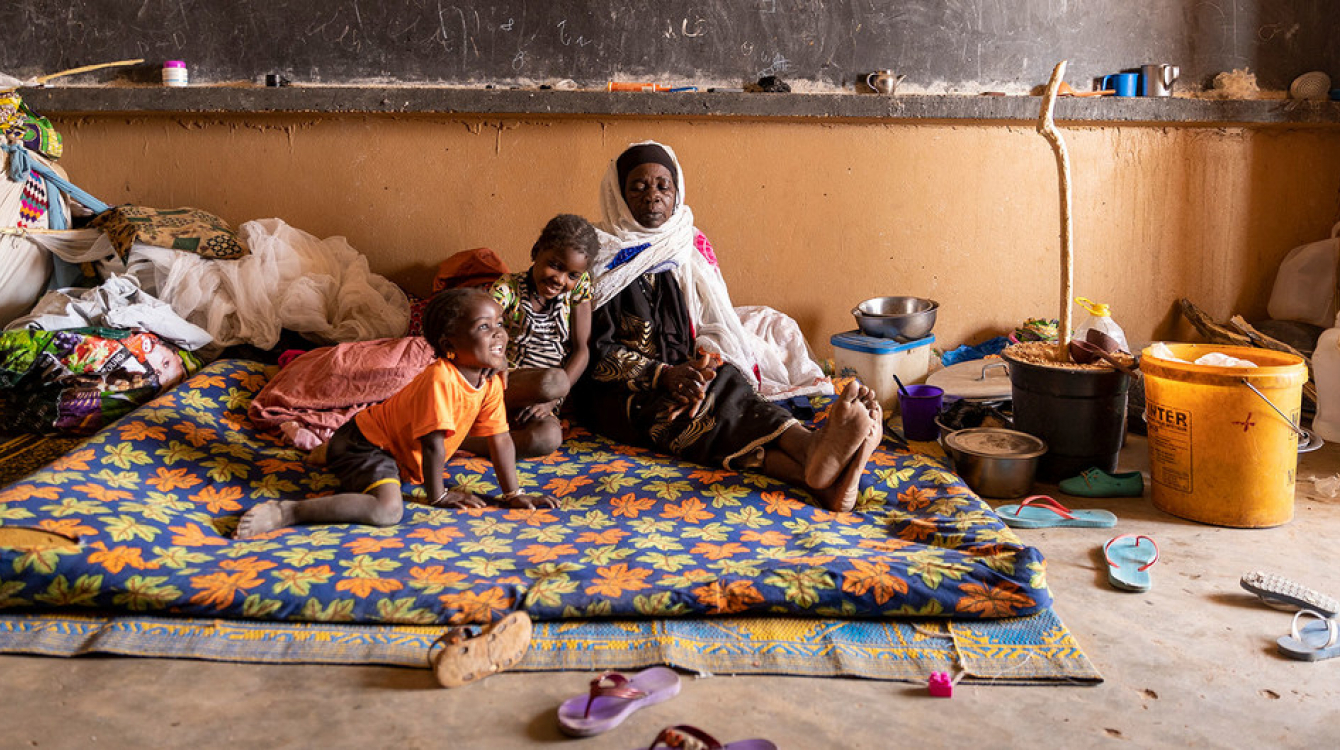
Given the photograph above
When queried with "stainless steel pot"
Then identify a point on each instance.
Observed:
(995, 462)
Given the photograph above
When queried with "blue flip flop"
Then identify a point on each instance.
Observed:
(1128, 562)
(1042, 511)
(1314, 641)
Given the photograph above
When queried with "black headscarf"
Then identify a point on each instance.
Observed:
(647, 153)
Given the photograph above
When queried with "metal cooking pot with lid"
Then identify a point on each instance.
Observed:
(995, 462)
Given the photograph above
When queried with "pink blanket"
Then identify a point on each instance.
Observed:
(316, 393)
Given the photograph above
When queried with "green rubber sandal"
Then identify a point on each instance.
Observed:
(1098, 483)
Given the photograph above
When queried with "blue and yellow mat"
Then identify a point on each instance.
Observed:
(1027, 650)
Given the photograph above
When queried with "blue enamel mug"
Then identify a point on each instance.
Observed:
(1125, 84)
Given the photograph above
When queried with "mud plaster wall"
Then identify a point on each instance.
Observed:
(807, 217)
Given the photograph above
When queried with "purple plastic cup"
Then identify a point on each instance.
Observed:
(920, 406)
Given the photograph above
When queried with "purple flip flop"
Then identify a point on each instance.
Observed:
(693, 738)
(613, 697)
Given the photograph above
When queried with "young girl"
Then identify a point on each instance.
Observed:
(547, 311)
(412, 434)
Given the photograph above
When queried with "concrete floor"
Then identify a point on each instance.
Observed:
(1192, 662)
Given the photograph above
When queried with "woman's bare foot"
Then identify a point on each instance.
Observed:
(266, 517)
(870, 401)
(840, 436)
(842, 494)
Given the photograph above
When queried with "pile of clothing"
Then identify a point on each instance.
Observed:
(103, 317)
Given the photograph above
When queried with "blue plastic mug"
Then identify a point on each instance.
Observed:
(1125, 84)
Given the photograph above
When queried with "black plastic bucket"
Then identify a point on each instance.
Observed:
(1080, 413)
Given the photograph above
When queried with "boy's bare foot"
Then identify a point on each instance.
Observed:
(841, 495)
(840, 436)
(268, 516)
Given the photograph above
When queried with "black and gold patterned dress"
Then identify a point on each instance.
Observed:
(643, 328)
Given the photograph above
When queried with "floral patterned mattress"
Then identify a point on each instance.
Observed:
(153, 499)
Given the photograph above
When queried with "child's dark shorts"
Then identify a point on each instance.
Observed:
(358, 463)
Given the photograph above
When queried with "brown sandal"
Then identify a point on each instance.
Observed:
(467, 657)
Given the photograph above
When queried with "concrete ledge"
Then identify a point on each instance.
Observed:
(473, 101)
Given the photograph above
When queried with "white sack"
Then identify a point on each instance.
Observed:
(24, 265)
(320, 288)
(783, 356)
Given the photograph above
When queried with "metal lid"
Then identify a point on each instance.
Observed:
(976, 379)
(859, 342)
(996, 442)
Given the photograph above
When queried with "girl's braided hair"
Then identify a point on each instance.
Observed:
(567, 231)
(445, 314)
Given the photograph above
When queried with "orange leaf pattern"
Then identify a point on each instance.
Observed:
(630, 505)
(692, 510)
(616, 579)
(167, 480)
(735, 596)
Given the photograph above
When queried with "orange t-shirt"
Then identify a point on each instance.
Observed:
(439, 398)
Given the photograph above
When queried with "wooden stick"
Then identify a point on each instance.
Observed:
(1212, 331)
(87, 68)
(1047, 127)
(1246, 335)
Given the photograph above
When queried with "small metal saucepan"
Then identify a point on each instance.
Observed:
(995, 462)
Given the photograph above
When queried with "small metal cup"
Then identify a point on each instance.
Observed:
(884, 81)
(1158, 80)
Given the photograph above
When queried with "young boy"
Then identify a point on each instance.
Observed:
(412, 434)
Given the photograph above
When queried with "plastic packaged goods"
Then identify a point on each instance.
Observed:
(1217, 359)
(1100, 318)
(1326, 371)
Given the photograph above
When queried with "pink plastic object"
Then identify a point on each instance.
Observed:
(940, 685)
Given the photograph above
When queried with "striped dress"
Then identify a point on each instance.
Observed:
(540, 338)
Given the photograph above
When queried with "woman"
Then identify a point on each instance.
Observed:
(761, 342)
(651, 383)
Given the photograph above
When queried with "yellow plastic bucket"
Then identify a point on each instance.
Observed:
(1218, 453)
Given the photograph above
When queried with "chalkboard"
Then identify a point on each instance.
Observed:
(942, 46)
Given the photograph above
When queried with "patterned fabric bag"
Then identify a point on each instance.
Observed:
(188, 229)
(81, 380)
(34, 130)
(40, 135)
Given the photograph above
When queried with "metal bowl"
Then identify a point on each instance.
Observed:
(995, 462)
(901, 318)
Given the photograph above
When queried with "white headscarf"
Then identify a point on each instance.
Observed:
(763, 343)
(669, 246)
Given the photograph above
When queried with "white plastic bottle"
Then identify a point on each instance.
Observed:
(1326, 371)
(174, 73)
(1100, 317)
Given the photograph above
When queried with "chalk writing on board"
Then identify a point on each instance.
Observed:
(960, 45)
(567, 41)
